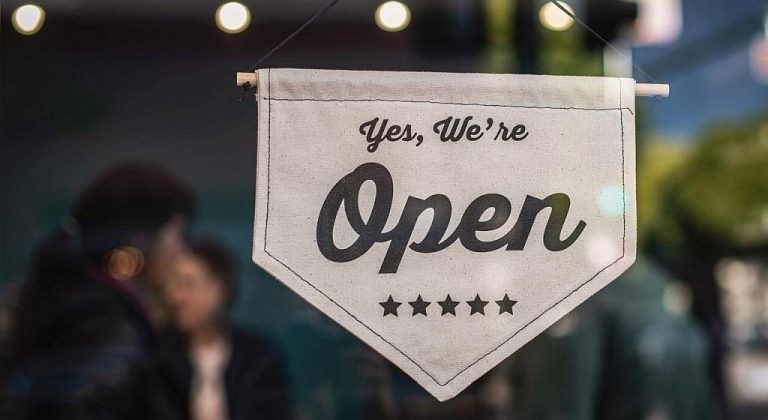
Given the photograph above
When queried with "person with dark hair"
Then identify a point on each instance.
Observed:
(84, 330)
(215, 370)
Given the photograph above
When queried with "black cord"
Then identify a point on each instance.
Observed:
(603, 40)
(247, 86)
(296, 32)
(327, 7)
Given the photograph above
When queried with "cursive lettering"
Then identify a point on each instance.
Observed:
(371, 229)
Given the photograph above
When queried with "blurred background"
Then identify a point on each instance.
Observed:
(87, 84)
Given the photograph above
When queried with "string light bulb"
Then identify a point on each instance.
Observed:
(393, 16)
(233, 17)
(28, 19)
(553, 18)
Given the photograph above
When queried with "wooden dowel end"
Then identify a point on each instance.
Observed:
(649, 89)
(250, 78)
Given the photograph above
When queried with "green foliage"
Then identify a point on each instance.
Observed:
(658, 163)
(724, 186)
(563, 53)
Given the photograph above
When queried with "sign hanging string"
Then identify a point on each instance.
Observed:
(287, 39)
(247, 86)
(603, 40)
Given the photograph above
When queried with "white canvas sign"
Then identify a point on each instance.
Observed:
(444, 219)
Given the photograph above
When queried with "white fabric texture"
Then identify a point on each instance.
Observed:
(444, 219)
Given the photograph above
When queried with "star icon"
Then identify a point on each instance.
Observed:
(505, 305)
(390, 306)
(419, 306)
(477, 305)
(449, 306)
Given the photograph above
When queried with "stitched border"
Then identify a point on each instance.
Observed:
(623, 254)
(269, 151)
(571, 108)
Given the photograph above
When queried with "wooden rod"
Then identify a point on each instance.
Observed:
(652, 89)
(251, 78)
(641, 89)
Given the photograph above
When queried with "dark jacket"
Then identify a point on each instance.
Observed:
(81, 347)
(254, 380)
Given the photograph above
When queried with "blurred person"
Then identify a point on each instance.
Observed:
(633, 351)
(84, 330)
(214, 369)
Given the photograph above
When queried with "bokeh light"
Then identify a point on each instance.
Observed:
(28, 19)
(555, 19)
(125, 262)
(233, 17)
(393, 16)
(611, 200)
(603, 250)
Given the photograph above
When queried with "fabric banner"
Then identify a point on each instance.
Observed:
(444, 219)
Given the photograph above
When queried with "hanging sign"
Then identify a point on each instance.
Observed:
(444, 219)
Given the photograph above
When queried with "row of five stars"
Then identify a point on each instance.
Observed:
(448, 306)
